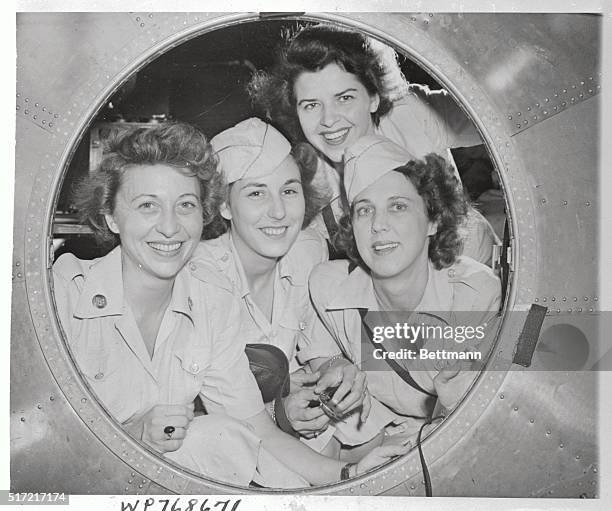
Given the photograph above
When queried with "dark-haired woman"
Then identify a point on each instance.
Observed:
(400, 232)
(332, 86)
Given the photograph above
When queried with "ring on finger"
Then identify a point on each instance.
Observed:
(169, 430)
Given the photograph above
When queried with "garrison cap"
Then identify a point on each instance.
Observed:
(368, 159)
(251, 148)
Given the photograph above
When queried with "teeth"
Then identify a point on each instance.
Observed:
(385, 246)
(273, 231)
(332, 137)
(164, 247)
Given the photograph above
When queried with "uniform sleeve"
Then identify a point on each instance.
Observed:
(479, 238)
(229, 386)
(324, 339)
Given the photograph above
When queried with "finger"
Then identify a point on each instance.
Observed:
(304, 378)
(355, 396)
(388, 451)
(170, 445)
(329, 379)
(315, 425)
(190, 413)
(310, 414)
(366, 407)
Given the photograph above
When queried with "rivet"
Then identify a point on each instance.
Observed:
(27, 111)
(544, 299)
(518, 114)
(563, 104)
(555, 109)
(545, 112)
(516, 408)
(412, 487)
(587, 203)
(573, 86)
(518, 125)
(18, 107)
(509, 117)
(142, 24)
(590, 309)
(430, 15)
(35, 117)
(532, 421)
(561, 446)
(537, 300)
(565, 299)
(535, 117)
(595, 298)
(586, 298)
(553, 299)
(56, 115)
(137, 18)
(564, 91)
(51, 398)
(130, 481)
(558, 311)
(590, 91)
(569, 310)
(412, 18)
(573, 100)
(575, 298)
(581, 95)
(579, 309)
(546, 100)
(27, 100)
(548, 431)
(39, 406)
(538, 105)
(151, 15)
(595, 470)
(501, 396)
(44, 108)
(50, 124)
(22, 419)
(565, 203)
(577, 456)
(140, 486)
(525, 121)
(84, 400)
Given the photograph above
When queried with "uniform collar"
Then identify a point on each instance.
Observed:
(356, 291)
(102, 293)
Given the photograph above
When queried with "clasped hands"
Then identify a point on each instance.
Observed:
(302, 405)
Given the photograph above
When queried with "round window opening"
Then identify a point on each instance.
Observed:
(151, 358)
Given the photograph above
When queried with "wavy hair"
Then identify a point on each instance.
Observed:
(445, 203)
(175, 144)
(312, 49)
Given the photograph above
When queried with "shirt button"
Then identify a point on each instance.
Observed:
(192, 266)
(451, 273)
(99, 301)
(302, 325)
(194, 367)
(99, 376)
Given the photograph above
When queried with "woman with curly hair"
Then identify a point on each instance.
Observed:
(149, 336)
(332, 86)
(400, 232)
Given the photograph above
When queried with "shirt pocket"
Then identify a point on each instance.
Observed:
(192, 363)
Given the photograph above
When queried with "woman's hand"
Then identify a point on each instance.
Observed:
(307, 421)
(151, 426)
(392, 447)
(352, 387)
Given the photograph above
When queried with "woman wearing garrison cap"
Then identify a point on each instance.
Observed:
(265, 258)
(401, 235)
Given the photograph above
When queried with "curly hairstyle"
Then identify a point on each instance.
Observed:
(176, 144)
(310, 50)
(435, 181)
(315, 197)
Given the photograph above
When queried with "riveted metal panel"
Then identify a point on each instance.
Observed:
(446, 46)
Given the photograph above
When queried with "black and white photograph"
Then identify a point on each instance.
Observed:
(308, 254)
